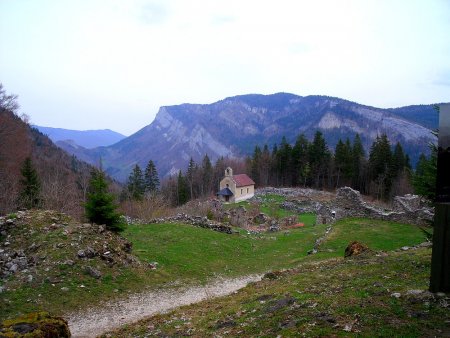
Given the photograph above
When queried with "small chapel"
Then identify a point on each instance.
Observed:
(235, 188)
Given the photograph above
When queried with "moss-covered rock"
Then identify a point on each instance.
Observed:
(34, 325)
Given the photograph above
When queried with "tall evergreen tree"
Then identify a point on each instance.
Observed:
(380, 160)
(30, 195)
(182, 189)
(300, 160)
(100, 207)
(207, 176)
(266, 162)
(343, 162)
(256, 165)
(319, 156)
(398, 160)
(190, 176)
(424, 178)
(358, 163)
(136, 184)
(151, 179)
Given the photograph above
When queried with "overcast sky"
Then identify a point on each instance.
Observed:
(96, 64)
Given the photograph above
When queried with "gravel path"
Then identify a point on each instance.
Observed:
(95, 321)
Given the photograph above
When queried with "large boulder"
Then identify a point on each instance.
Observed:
(355, 248)
(35, 325)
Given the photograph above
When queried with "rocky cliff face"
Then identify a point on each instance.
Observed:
(233, 126)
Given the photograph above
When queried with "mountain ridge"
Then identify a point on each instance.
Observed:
(233, 126)
(86, 138)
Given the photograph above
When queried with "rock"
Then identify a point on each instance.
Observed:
(261, 218)
(13, 268)
(405, 248)
(64, 289)
(153, 265)
(396, 294)
(69, 262)
(272, 275)
(90, 253)
(280, 304)
(426, 245)
(37, 324)
(29, 278)
(81, 254)
(93, 272)
(354, 249)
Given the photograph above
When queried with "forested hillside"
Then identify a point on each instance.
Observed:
(62, 179)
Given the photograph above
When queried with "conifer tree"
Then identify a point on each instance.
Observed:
(31, 187)
(300, 160)
(151, 178)
(190, 176)
(182, 189)
(424, 178)
(380, 160)
(100, 207)
(358, 163)
(207, 175)
(256, 165)
(136, 184)
(319, 156)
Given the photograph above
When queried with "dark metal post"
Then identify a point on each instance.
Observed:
(440, 259)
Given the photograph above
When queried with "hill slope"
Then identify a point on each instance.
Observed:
(63, 178)
(85, 138)
(233, 126)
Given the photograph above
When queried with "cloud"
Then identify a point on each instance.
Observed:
(153, 13)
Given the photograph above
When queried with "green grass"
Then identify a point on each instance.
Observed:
(340, 297)
(377, 235)
(188, 252)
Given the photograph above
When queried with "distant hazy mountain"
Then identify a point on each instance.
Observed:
(85, 138)
(233, 126)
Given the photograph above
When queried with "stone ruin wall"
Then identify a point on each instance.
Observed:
(348, 203)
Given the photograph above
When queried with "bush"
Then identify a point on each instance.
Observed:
(100, 207)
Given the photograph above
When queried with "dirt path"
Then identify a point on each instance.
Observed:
(95, 321)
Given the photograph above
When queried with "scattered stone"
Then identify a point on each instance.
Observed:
(354, 249)
(225, 323)
(93, 272)
(81, 254)
(405, 248)
(64, 289)
(29, 278)
(272, 275)
(396, 294)
(13, 268)
(280, 304)
(153, 265)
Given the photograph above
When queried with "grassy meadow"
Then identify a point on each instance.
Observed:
(190, 255)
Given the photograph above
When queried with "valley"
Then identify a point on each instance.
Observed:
(81, 269)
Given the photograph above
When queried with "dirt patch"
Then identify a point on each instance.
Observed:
(95, 321)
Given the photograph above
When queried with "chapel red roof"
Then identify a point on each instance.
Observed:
(242, 180)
